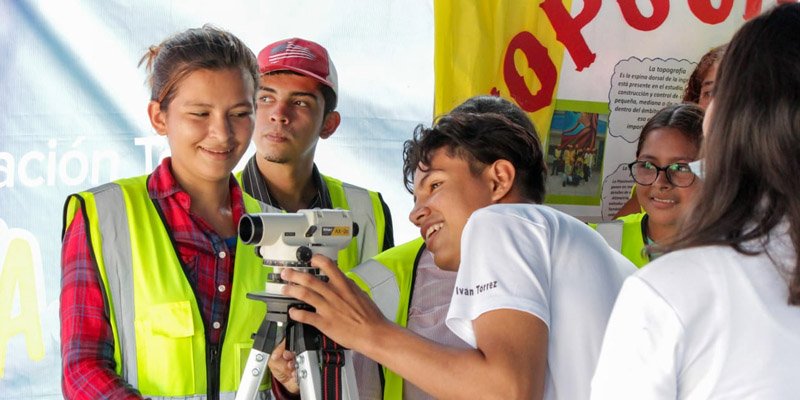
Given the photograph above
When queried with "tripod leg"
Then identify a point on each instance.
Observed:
(349, 387)
(324, 370)
(264, 341)
(309, 377)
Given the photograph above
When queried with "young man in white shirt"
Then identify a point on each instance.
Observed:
(534, 288)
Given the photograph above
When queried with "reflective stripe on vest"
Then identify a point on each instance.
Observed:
(367, 212)
(381, 283)
(261, 395)
(117, 259)
(389, 279)
(612, 232)
(625, 235)
(164, 319)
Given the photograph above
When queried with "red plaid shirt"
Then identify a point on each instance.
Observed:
(87, 343)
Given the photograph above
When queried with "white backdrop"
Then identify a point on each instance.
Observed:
(73, 115)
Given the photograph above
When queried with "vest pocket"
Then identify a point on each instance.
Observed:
(166, 356)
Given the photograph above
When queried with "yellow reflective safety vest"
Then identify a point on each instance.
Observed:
(625, 234)
(366, 210)
(159, 337)
(389, 279)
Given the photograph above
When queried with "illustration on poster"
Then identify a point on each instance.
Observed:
(22, 293)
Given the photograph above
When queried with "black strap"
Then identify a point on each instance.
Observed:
(332, 362)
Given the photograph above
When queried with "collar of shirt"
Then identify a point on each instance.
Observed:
(254, 184)
(162, 184)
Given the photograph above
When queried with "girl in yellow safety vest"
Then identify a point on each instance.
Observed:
(154, 280)
(669, 141)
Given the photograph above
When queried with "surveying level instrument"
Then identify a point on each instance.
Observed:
(289, 240)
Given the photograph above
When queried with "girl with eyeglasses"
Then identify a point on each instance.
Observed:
(669, 141)
(699, 90)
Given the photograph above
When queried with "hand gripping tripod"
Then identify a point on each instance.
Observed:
(324, 369)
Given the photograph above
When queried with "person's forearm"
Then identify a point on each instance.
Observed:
(443, 372)
(348, 316)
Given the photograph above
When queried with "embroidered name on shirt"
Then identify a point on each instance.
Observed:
(477, 289)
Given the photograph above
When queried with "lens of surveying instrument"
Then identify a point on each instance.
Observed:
(251, 229)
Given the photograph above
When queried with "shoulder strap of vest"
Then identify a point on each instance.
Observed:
(269, 208)
(369, 217)
(113, 224)
(360, 202)
(612, 232)
(382, 285)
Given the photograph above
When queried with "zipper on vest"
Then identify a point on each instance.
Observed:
(212, 371)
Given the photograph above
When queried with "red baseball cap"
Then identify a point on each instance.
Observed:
(302, 56)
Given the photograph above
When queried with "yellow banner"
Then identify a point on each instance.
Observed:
(507, 48)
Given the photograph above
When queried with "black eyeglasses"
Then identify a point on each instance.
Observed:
(645, 173)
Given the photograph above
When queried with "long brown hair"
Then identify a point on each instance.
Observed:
(752, 149)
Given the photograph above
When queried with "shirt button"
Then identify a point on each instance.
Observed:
(216, 325)
(222, 254)
(221, 288)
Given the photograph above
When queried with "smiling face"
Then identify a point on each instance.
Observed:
(289, 118)
(665, 203)
(208, 124)
(446, 194)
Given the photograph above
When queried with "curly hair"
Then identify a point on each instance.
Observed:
(481, 139)
(694, 87)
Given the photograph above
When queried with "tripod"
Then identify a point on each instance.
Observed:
(324, 369)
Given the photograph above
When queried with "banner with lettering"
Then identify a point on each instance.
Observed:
(612, 66)
(506, 48)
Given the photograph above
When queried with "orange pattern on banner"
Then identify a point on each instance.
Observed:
(506, 48)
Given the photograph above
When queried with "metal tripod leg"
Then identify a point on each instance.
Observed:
(263, 342)
(310, 380)
(306, 342)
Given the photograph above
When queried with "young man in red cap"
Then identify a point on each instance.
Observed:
(296, 102)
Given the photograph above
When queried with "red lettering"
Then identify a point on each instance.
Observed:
(568, 29)
(705, 12)
(751, 9)
(539, 61)
(633, 16)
